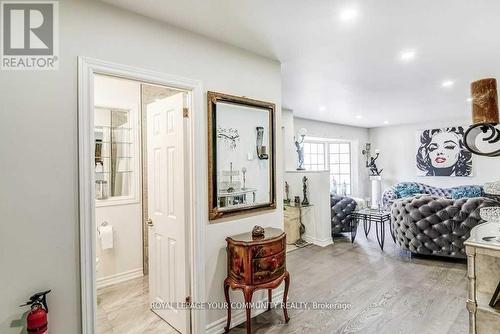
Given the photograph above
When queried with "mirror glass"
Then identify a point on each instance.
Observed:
(243, 158)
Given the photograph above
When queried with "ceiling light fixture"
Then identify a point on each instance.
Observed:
(447, 83)
(348, 14)
(407, 55)
(359, 116)
(386, 122)
(322, 108)
(469, 99)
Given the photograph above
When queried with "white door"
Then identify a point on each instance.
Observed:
(166, 209)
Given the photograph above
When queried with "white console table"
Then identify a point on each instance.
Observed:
(236, 198)
(483, 271)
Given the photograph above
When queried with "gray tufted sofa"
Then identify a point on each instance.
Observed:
(341, 209)
(389, 195)
(433, 225)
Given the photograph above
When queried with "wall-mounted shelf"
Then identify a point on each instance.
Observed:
(116, 147)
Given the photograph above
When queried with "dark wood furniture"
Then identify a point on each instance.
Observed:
(256, 264)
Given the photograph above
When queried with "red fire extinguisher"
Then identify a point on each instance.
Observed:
(37, 318)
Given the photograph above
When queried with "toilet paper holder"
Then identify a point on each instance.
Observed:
(103, 224)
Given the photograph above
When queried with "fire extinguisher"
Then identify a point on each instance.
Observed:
(37, 318)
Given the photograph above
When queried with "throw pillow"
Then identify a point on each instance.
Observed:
(466, 192)
(406, 190)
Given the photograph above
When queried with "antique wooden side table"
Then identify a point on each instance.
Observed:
(255, 264)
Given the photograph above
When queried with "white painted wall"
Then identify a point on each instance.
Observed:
(398, 150)
(126, 220)
(357, 136)
(39, 238)
(317, 218)
(290, 154)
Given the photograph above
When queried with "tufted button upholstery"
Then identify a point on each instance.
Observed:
(341, 209)
(434, 225)
(389, 195)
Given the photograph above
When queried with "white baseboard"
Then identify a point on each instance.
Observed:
(238, 316)
(320, 242)
(118, 278)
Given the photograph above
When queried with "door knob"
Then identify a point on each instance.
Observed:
(150, 223)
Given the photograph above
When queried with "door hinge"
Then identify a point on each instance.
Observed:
(185, 112)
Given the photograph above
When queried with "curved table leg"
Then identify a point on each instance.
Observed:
(248, 292)
(354, 229)
(381, 235)
(285, 296)
(366, 226)
(269, 298)
(226, 294)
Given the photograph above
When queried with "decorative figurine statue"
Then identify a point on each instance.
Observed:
(244, 172)
(230, 188)
(344, 189)
(287, 193)
(258, 232)
(305, 201)
(370, 161)
(299, 145)
(334, 187)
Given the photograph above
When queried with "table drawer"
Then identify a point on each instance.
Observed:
(268, 268)
(269, 249)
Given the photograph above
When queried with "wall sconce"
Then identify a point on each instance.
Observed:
(484, 118)
(299, 145)
(261, 150)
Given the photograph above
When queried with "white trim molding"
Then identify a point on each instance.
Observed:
(196, 207)
(320, 242)
(239, 316)
(118, 278)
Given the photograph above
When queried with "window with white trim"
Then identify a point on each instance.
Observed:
(332, 156)
(339, 161)
(314, 156)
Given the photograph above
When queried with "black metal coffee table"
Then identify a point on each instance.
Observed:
(367, 216)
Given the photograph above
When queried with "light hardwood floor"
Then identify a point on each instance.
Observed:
(124, 309)
(388, 292)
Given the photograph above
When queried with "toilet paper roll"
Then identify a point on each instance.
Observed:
(106, 236)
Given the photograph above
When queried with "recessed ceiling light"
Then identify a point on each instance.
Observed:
(447, 83)
(359, 116)
(322, 108)
(407, 55)
(348, 14)
(386, 122)
(469, 99)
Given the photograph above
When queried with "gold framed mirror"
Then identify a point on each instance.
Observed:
(241, 155)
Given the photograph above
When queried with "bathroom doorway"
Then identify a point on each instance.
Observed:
(139, 177)
(139, 229)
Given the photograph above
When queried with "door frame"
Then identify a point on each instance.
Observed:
(195, 209)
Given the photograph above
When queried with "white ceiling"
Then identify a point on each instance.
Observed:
(352, 69)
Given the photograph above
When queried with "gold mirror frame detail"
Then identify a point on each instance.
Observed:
(213, 98)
